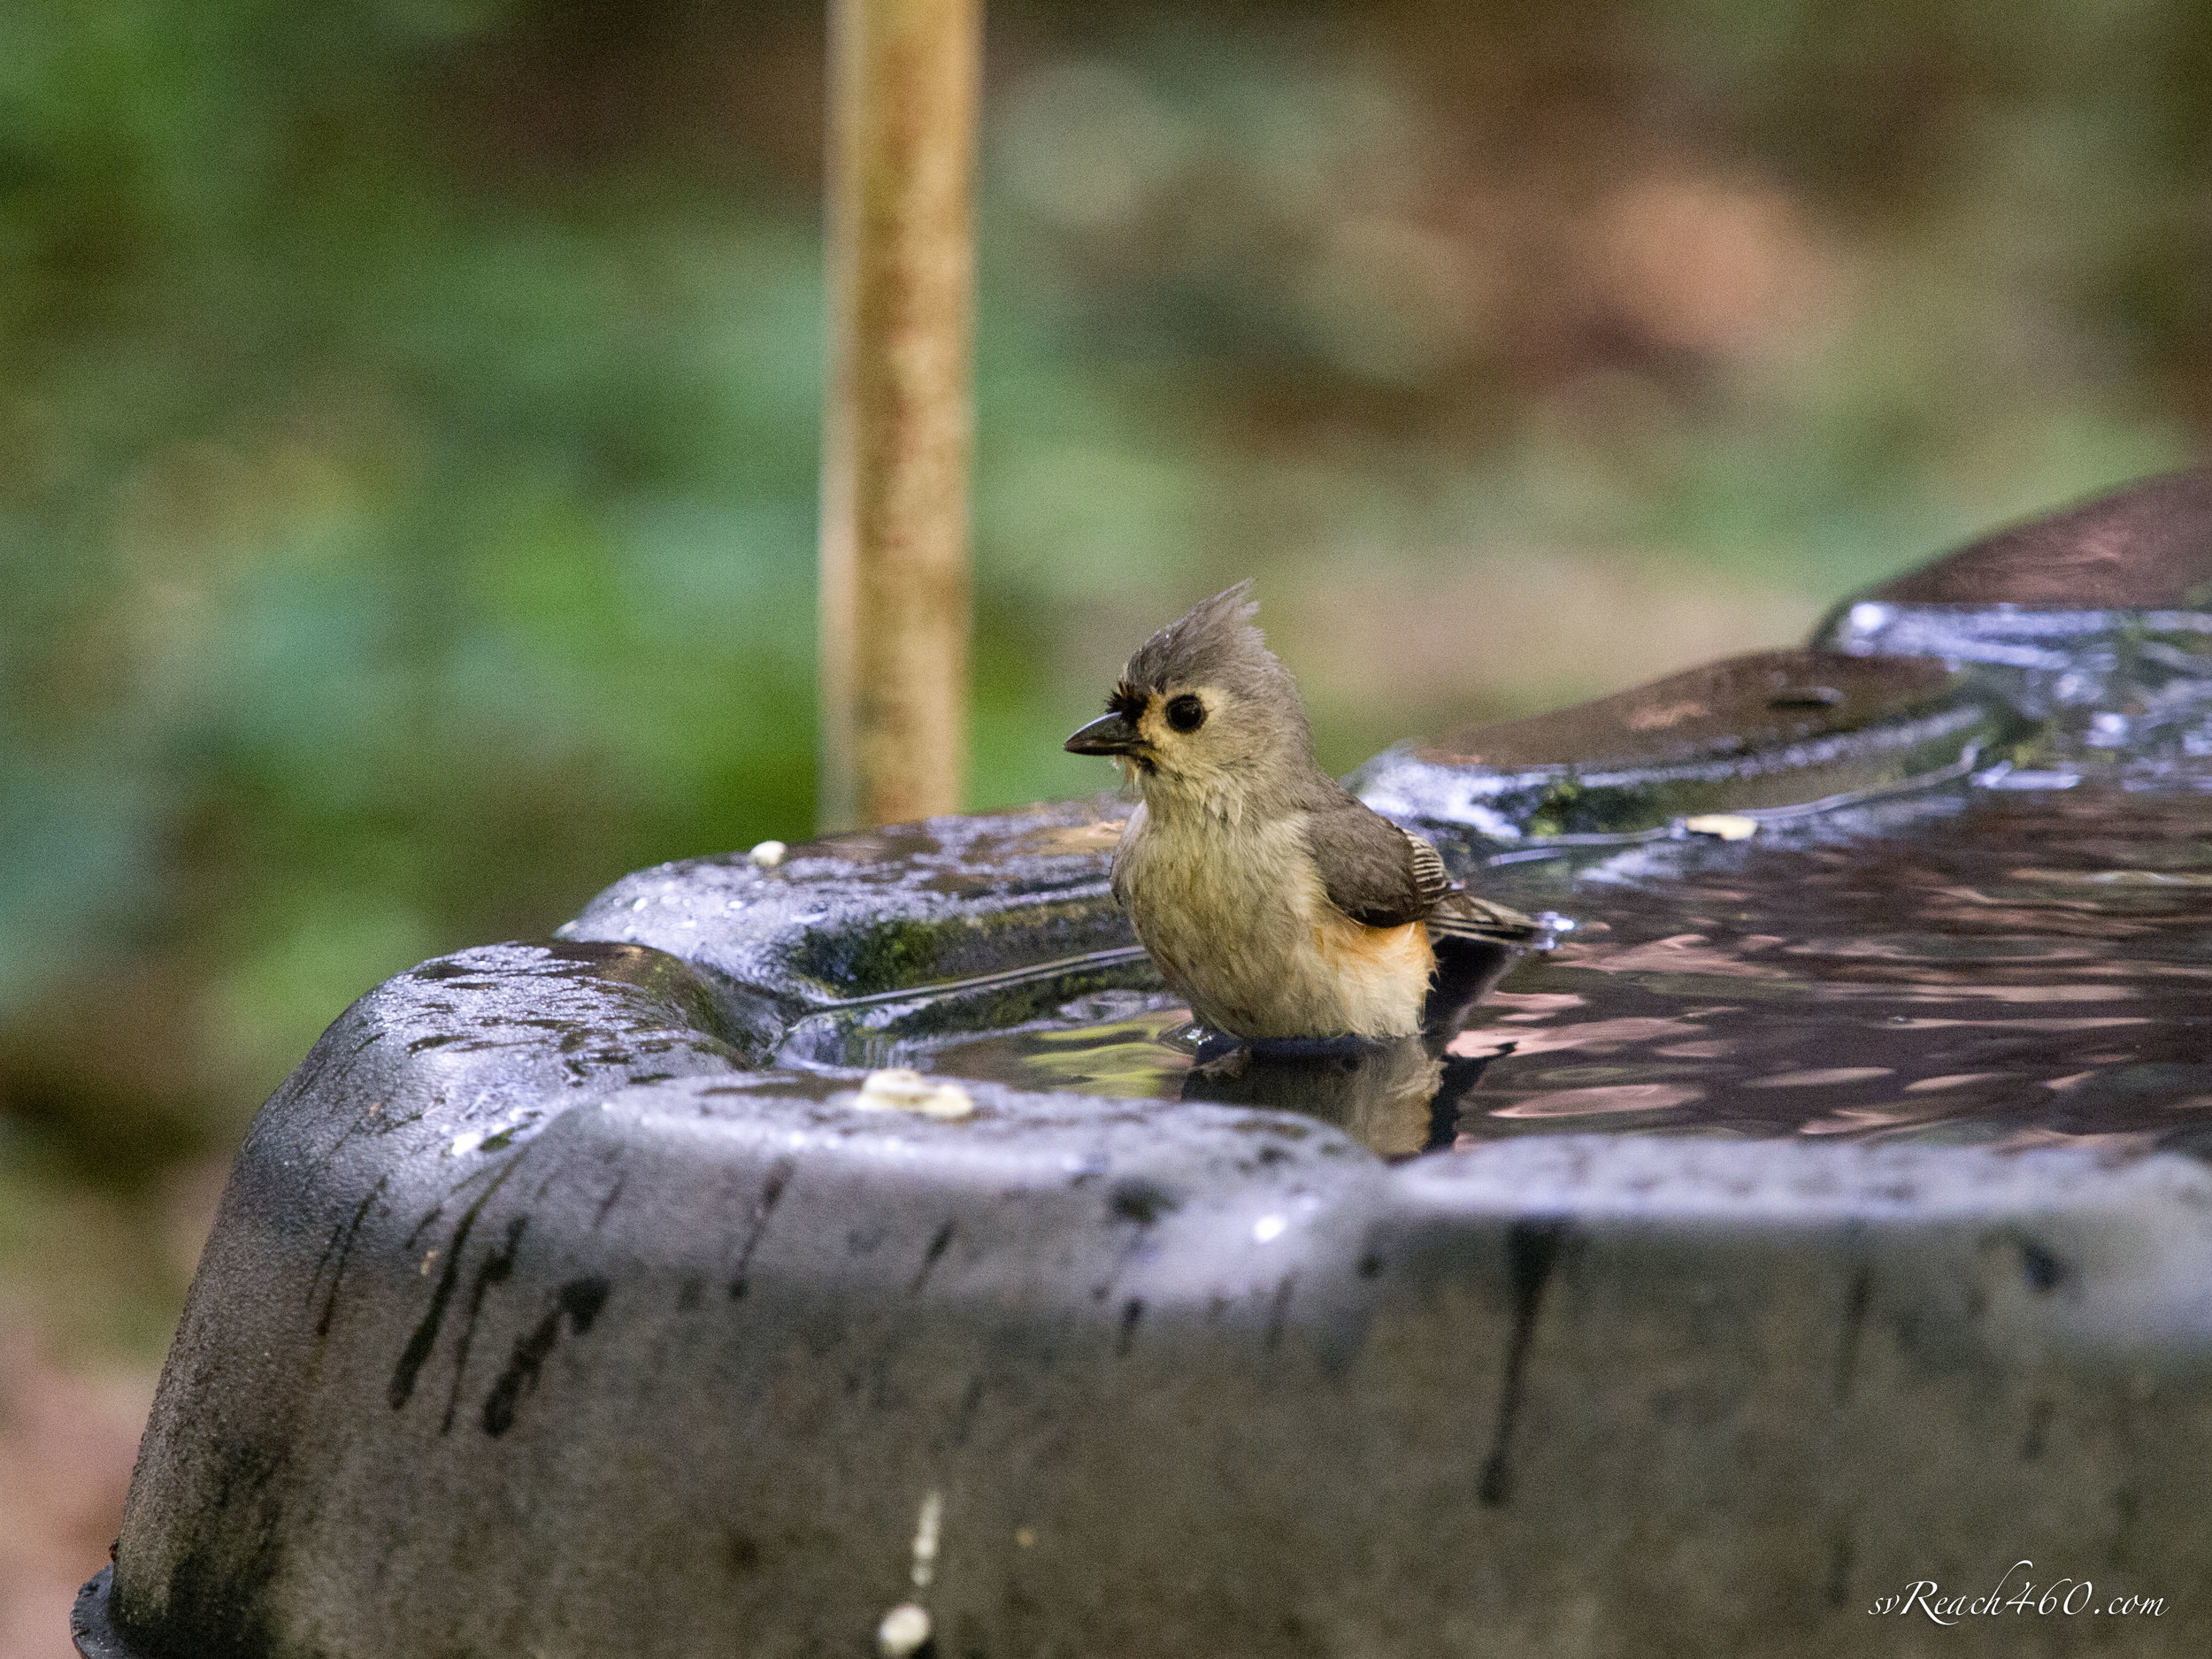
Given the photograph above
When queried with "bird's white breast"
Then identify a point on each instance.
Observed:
(1235, 917)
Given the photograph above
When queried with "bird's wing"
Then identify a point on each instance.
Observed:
(1429, 873)
(1372, 870)
(1377, 874)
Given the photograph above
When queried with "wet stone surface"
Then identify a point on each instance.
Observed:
(878, 913)
(2096, 623)
(2145, 547)
(1776, 730)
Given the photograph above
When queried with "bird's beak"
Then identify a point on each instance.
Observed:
(1109, 735)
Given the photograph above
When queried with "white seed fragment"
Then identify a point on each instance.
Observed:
(900, 1089)
(903, 1631)
(1729, 826)
(466, 1143)
(1267, 1229)
(768, 855)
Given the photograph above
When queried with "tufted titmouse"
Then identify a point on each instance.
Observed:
(1271, 898)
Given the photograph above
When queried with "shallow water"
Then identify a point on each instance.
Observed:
(2007, 966)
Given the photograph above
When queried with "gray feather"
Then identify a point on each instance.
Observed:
(1429, 873)
(1216, 643)
(1464, 914)
(1369, 866)
(1380, 875)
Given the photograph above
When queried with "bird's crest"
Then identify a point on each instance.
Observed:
(1215, 643)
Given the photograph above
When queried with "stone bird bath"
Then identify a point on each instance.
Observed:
(572, 1298)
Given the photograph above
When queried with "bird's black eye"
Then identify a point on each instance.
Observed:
(1186, 713)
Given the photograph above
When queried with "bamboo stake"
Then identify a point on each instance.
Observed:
(904, 77)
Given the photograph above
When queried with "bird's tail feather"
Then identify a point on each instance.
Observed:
(1466, 916)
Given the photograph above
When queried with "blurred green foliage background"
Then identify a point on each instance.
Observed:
(408, 421)
(408, 418)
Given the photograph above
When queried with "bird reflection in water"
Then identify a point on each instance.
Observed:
(1396, 1097)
